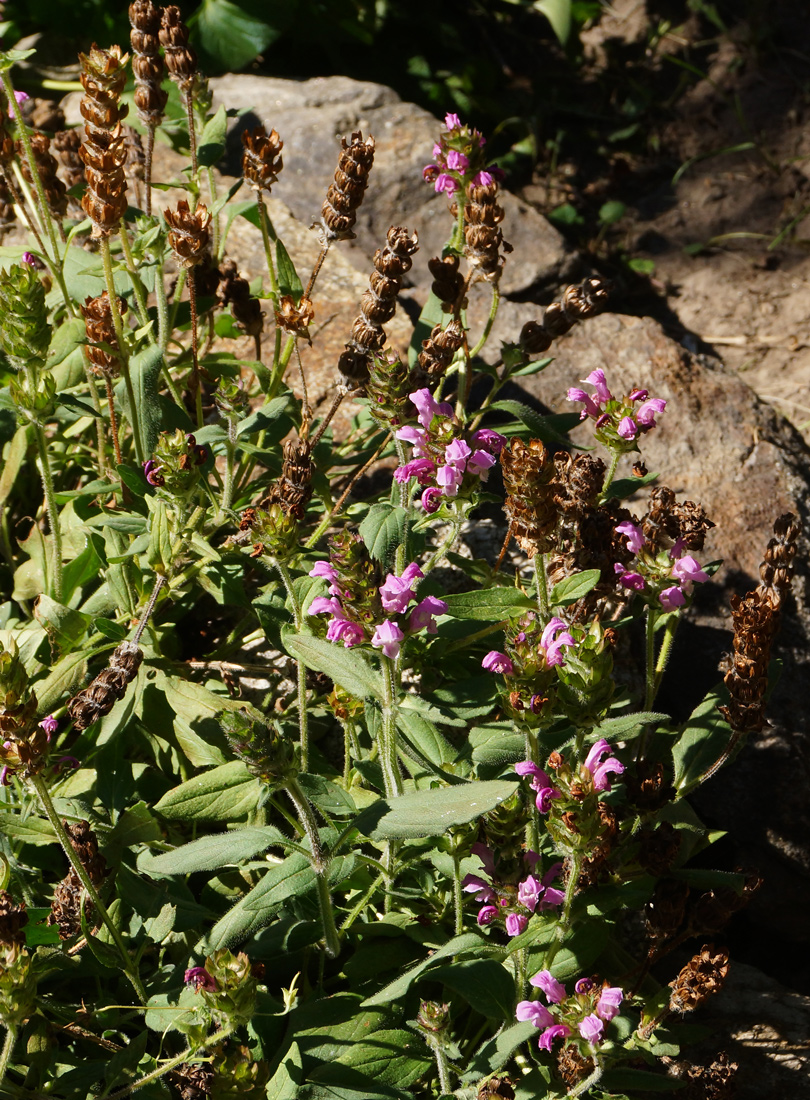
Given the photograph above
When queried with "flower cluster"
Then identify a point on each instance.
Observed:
(665, 578)
(533, 653)
(598, 769)
(619, 421)
(395, 595)
(458, 159)
(512, 903)
(177, 458)
(442, 462)
(585, 1012)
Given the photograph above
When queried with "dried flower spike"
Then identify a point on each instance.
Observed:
(482, 233)
(293, 489)
(67, 144)
(439, 348)
(704, 975)
(66, 907)
(148, 69)
(181, 61)
(101, 695)
(188, 233)
(261, 157)
(344, 196)
(528, 474)
(577, 304)
(104, 151)
(46, 165)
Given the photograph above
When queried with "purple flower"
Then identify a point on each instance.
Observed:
(152, 472)
(627, 429)
(597, 379)
(633, 533)
(529, 892)
(516, 923)
(534, 1012)
(66, 762)
(610, 1000)
(498, 662)
(397, 592)
(199, 977)
(325, 570)
(487, 914)
(446, 183)
(552, 896)
(557, 1031)
(590, 409)
(456, 454)
(431, 499)
(483, 179)
(494, 442)
(584, 985)
(21, 97)
(5, 772)
(474, 884)
(323, 605)
(545, 797)
(591, 1029)
(452, 121)
(427, 407)
(479, 464)
(637, 395)
(555, 636)
(417, 437)
(422, 469)
(448, 478)
(30, 259)
(671, 598)
(554, 990)
(387, 637)
(687, 570)
(457, 162)
(628, 579)
(422, 615)
(646, 413)
(49, 725)
(602, 771)
(344, 630)
(528, 767)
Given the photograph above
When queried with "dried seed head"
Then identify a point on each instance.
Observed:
(344, 196)
(713, 1082)
(101, 695)
(664, 912)
(577, 304)
(704, 975)
(714, 908)
(235, 292)
(295, 318)
(572, 1066)
(103, 78)
(440, 347)
(193, 1080)
(67, 144)
(104, 153)
(46, 166)
(528, 472)
(66, 906)
(100, 329)
(147, 63)
(261, 158)
(13, 918)
(188, 233)
(6, 140)
(447, 281)
(667, 520)
(496, 1088)
(293, 489)
(658, 848)
(181, 60)
(482, 232)
(776, 571)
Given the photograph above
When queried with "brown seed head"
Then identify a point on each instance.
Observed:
(261, 157)
(440, 347)
(188, 233)
(147, 63)
(344, 196)
(482, 234)
(293, 489)
(447, 281)
(101, 695)
(181, 60)
(528, 473)
(577, 304)
(235, 291)
(704, 975)
(13, 919)
(100, 329)
(292, 317)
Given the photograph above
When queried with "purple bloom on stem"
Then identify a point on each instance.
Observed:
(584, 985)
(687, 570)
(452, 121)
(591, 1029)
(448, 478)
(420, 468)
(49, 725)
(387, 637)
(627, 429)
(528, 767)
(628, 579)
(21, 97)
(554, 990)
(483, 179)
(534, 1012)
(552, 896)
(498, 662)
(344, 630)
(591, 408)
(609, 1002)
(646, 413)
(152, 472)
(431, 499)
(457, 162)
(494, 442)
(457, 453)
(325, 570)
(597, 379)
(602, 771)
(633, 533)
(417, 437)
(30, 259)
(199, 977)
(557, 1031)
(422, 615)
(637, 395)
(479, 464)
(396, 593)
(671, 598)
(530, 892)
(446, 183)
(516, 923)
(5, 772)
(474, 884)
(323, 605)
(427, 407)
(552, 644)
(487, 914)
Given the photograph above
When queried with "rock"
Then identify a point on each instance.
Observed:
(312, 115)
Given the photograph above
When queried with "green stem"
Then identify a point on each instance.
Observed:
(303, 716)
(279, 367)
(215, 235)
(521, 962)
(134, 421)
(665, 650)
(173, 1063)
(493, 313)
(443, 1069)
(164, 332)
(449, 540)
(458, 895)
(50, 811)
(45, 212)
(564, 922)
(8, 1047)
(196, 379)
(542, 586)
(652, 618)
(611, 472)
(388, 734)
(264, 222)
(230, 457)
(135, 279)
(320, 865)
(53, 513)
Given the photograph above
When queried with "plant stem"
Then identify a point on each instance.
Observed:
(196, 380)
(53, 513)
(113, 420)
(173, 1063)
(264, 222)
(147, 166)
(458, 895)
(135, 279)
(652, 618)
(303, 717)
(50, 811)
(445, 545)
(443, 1070)
(230, 458)
(134, 423)
(45, 212)
(589, 1082)
(542, 585)
(192, 133)
(320, 865)
(8, 1047)
(665, 650)
(388, 733)
(493, 313)
(564, 922)
(611, 472)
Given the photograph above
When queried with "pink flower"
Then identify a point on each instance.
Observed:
(555, 636)
(610, 1000)
(456, 454)
(516, 923)
(628, 579)
(323, 606)
(420, 468)
(584, 985)
(457, 162)
(21, 97)
(591, 1029)
(528, 767)
(627, 429)
(474, 884)
(633, 533)
(597, 379)
(30, 259)
(325, 570)
(427, 407)
(487, 857)
(387, 637)
(49, 725)
(558, 1031)
(448, 478)
(552, 896)
(637, 395)
(431, 499)
(5, 772)
(479, 464)
(417, 438)
(199, 977)
(671, 598)
(151, 470)
(646, 413)
(590, 409)
(554, 990)
(343, 630)
(602, 771)
(422, 615)
(483, 179)
(452, 121)
(397, 592)
(530, 892)
(533, 1012)
(498, 662)
(446, 183)
(494, 442)
(545, 797)
(487, 914)
(687, 570)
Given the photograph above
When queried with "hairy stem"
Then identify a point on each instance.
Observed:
(5, 1053)
(148, 152)
(320, 865)
(118, 324)
(135, 279)
(458, 896)
(542, 586)
(196, 380)
(173, 1063)
(611, 472)
(46, 474)
(113, 420)
(303, 717)
(388, 733)
(192, 133)
(230, 458)
(264, 222)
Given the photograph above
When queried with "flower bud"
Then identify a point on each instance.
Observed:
(268, 754)
(24, 333)
(18, 987)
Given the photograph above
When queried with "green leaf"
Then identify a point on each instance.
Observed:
(285, 1081)
(566, 216)
(573, 588)
(8, 58)
(144, 369)
(15, 457)
(383, 530)
(126, 1060)
(211, 145)
(624, 487)
(225, 793)
(110, 629)
(527, 369)
(468, 942)
(495, 1053)
(703, 741)
(541, 427)
(348, 668)
(292, 877)
(63, 625)
(230, 35)
(262, 418)
(624, 1079)
(210, 853)
(558, 13)
(430, 813)
(288, 281)
(29, 830)
(63, 678)
(611, 212)
(483, 983)
(618, 727)
(391, 1057)
(489, 605)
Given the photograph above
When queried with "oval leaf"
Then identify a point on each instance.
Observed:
(429, 813)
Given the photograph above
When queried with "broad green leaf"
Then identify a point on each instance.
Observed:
(346, 667)
(255, 910)
(425, 737)
(624, 487)
(288, 281)
(703, 741)
(617, 727)
(263, 417)
(125, 1061)
(211, 144)
(574, 588)
(534, 367)
(226, 793)
(468, 942)
(14, 460)
(489, 605)
(483, 983)
(210, 853)
(383, 530)
(558, 13)
(63, 678)
(285, 1081)
(496, 1052)
(431, 813)
(541, 427)
(230, 35)
(63, 625)
(391, 1057)
(144, 369)
(611, 212)
(29, 830)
